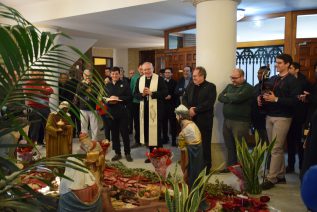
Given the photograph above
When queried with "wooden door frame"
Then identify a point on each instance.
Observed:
(289, 35)
(297, 56)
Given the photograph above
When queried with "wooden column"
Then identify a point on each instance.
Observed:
(290, 34)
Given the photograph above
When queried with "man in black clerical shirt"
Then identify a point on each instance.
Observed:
(119, 96)
(170, 102)
(294, 135)
(199, 97)
(183, 82)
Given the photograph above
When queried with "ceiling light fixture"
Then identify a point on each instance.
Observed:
(240, 14)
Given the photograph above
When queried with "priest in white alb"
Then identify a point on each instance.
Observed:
(150, 90)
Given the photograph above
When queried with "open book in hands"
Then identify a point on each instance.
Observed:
(111, 100)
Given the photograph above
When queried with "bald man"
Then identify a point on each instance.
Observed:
(236, 98)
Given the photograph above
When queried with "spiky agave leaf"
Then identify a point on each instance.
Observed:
(252, 160)
(168, 199)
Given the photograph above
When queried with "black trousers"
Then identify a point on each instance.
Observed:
(169, 119)
(76, 120)
(107, 122)
(37, 119)
(294, 143)
(310, 155)
(120, 126)
(136, 121)
(130, 115)
(205, 128)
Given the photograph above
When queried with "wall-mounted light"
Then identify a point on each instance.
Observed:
(240, 14)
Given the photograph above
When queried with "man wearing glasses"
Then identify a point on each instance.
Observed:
(236, 99)
(279, 103)
(150, 90)
(86, 93)
(199, 97)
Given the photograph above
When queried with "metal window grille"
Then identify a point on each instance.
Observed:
(252, 58)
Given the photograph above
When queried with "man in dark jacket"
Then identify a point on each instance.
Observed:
(294, 136)
(310, 97)
(66, 91)
(258, 116)
(199, 98)
(182, 83)
(86, 95)
(310, 146)
(119, 96)
(169, 117)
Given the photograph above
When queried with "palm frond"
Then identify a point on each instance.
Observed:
(18, 205)
(23, 47)
(26, 48)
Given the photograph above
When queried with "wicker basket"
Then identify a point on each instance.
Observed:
(146, 201)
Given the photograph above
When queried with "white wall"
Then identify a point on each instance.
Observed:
(120, 58)
(102, 52)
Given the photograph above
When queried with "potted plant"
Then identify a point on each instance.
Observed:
(22, 48)
(251, 161)
(184, 200)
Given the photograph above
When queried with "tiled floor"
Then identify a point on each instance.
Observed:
(285, 197)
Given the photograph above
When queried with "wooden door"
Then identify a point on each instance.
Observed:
(159, 60)
(147, 56)
(177, 59)
(306, 55)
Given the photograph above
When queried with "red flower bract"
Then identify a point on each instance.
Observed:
(159, 152)
(160, 159)
(264, 199)
(244, 204)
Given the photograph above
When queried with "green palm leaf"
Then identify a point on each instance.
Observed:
(26, 48)
(22, 48)
(18, 204)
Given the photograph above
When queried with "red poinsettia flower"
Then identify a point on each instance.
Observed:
(244, 204)
(160, 159)
(159, 152)
(265, 199)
